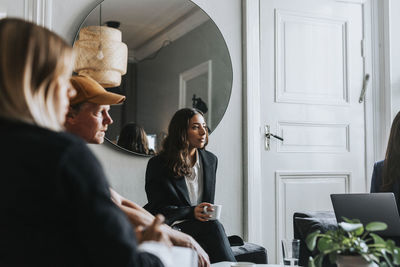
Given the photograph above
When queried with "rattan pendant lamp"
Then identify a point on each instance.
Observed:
(101, 54)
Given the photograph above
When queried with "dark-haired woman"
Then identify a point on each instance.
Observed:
(134, 138)
(180, 183)
(386, 175)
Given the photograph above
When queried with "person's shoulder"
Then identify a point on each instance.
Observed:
(70, 139)
(208, 154)
(156, 168)
(67, 143)
(157, 160)
(379, 164)
(79, 164)
(73, 150)
(39, 136)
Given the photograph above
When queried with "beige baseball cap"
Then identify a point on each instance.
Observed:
(88, 90)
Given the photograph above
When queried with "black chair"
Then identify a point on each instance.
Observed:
(306, 223)
(244, 251)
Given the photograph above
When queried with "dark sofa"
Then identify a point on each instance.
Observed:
(308, 222)
(249, 252)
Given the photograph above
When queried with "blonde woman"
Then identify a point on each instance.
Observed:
(55, 204)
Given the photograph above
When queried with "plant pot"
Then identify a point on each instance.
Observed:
(353, 261)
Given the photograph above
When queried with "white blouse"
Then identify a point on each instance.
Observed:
(194, 182)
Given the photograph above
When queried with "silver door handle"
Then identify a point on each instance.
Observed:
(364, 88)
(273, 135)
(268, 135)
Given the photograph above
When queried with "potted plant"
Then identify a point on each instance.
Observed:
(353, 245)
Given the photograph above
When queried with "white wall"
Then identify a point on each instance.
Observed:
(394, 22)
(126, 172)
(12, 8)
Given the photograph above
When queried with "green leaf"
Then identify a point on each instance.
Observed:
(311, 240)
(386, 258)
(311, 262)
(363, 246)
(324, 244)
(396, 256)
(350, 227)
(350, 221)
(378, 239)
(376, 226)
(390, 245)
(359, 231)
(374, 258)
(366, 257)
(318, 260)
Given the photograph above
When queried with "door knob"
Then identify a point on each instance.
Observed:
(268, 135)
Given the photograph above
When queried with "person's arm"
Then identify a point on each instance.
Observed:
(103, 232)
(138, 216)
(120, 200)
(184, 240)
(142, 218)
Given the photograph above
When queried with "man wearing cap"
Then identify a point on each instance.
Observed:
(88, 118)
(88, 114)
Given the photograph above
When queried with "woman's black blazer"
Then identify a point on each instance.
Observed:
(169, 196)
(376, 182)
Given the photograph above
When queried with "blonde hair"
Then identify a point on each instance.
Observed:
(32, 60)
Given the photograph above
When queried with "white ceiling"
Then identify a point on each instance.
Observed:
(143, 20)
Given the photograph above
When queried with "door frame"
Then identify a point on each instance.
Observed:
(377, 102)
(190, 74)
(252, 136)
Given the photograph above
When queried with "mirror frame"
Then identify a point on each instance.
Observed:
(230, 65)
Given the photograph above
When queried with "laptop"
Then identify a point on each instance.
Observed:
(368, 208)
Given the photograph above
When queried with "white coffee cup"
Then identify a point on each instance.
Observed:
(215, 214)
(242, 264)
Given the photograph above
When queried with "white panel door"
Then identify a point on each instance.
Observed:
(312, 72)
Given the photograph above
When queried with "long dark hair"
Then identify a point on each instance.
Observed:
(175, 148)
(391, 166)
(134, 138)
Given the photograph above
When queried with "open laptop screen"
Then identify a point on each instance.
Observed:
(367, 208)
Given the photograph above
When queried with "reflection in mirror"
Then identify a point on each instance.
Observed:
(177, 57)
(134, 138)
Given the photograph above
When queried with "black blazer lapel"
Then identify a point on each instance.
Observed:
(180, 185)
(208, 177)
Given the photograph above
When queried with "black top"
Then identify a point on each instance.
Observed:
(55, 207)
(376, 182)
(169, 196)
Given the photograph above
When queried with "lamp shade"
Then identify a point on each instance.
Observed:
(108, 68)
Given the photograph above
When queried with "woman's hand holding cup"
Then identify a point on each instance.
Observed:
(200, 211)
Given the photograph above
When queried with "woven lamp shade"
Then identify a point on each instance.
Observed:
(108, 70)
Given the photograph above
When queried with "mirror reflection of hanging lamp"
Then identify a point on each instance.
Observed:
(101, 54)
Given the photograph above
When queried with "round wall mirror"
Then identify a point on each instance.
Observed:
(177, 58)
